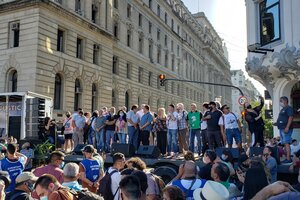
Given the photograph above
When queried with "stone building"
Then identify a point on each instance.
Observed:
(96, 53)
(274, 51)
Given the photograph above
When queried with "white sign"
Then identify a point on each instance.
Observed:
(242, 100)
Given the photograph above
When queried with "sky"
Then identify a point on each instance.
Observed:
(228, 17)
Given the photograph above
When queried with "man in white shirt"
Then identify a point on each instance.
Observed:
(118, 165)
(295, 146)
(231, 126)
(172, 137)
(140, 113)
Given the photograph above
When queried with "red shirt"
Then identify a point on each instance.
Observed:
(50, 169)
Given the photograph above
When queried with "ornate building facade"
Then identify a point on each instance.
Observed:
(98, 53)
(274, 50)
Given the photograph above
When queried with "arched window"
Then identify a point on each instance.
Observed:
(94, 97)
(57, 92)
(77, 94)
(127, 100)
(14, 81)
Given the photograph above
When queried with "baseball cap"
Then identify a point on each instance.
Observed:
(26, 176)
(88, 149)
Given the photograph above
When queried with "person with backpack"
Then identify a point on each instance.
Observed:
(155, 183)
(231, 127)
(189, 181)
(109, 184)
(90, 169)
(23, 187)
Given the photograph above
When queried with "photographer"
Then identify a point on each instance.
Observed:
(255, 122)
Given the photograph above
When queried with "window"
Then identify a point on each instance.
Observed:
(151, 51)
(116, 29)
(94, 97)
(77, 94)
(158, 55)
(150, 78)
(166, 40)
(12, 78)
(141, 44)
(140, 75)
(127, 99)
(178, 49)
(158, 34)
(57, 92)
(166, 59)
(115, 65)
(116, 4)
(96, 51)
(172, 24)
(94, 13)
(173, 63)
(166, 18)
(128, 11)
(150, 4)
(78, 7)
(158, 10)
(150, 27)
(269, 21)
(60, 40)
(129, 38)
(128, 71)
(140, 20)
(79, 48)
(178, 29)
(172, 45)
(14, 34)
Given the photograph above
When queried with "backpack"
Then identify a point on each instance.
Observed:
(85, 194)
(160, 183)
(105, 186)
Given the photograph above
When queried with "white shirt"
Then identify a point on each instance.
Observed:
(203, 123)
(140, 114)
(230, 121)
(172, 124)
(115, 180)
(294, 148)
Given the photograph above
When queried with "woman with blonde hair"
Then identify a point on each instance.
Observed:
(160, 127)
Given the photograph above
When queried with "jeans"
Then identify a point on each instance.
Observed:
(215, 139)
(195, 133)
(109, 136)
(233, 133)
(100, 140)
(91, 136)
(122, 138)
(133, 136)
(51, 139)
(78, 136)
(172, 139)
(162, 141)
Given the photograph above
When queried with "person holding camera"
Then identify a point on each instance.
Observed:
(255, 122)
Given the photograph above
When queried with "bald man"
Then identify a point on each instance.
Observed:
(189, 181)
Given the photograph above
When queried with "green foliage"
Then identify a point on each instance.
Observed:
(42, 150)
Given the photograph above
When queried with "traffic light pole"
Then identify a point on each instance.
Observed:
(162, 81)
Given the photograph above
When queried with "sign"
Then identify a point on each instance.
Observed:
(242, 100)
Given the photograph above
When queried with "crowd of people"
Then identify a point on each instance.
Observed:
(130, 179)
(194, 133)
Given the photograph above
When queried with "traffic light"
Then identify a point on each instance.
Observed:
(162, 78)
